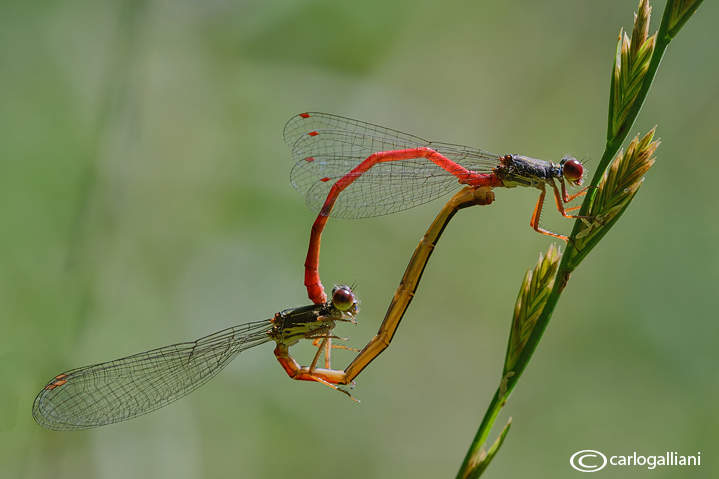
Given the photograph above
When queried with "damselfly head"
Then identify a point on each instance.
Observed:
(343, 298)
(572, 170)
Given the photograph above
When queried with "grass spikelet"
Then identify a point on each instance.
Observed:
(617, 188)
(680, 11)
(630, 67)
(533, 295)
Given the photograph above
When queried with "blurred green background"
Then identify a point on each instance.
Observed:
(145, 200)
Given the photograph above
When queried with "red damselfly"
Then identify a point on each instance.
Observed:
(351, 169)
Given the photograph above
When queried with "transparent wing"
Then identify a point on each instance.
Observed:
(327, 147)
(110, 392)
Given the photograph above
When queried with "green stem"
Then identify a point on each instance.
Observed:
(471, 459)
(572, 258)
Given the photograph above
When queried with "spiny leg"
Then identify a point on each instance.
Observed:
(325, 344)
(560, 205)
(321, 345)
(560, 199)
(534, 222)
(328, 377)
(579, 193)
(567, 199)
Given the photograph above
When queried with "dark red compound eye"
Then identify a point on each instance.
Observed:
(572, 170)
(342, 297)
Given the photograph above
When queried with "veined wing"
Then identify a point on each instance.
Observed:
(327, 147)
(117, 390)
